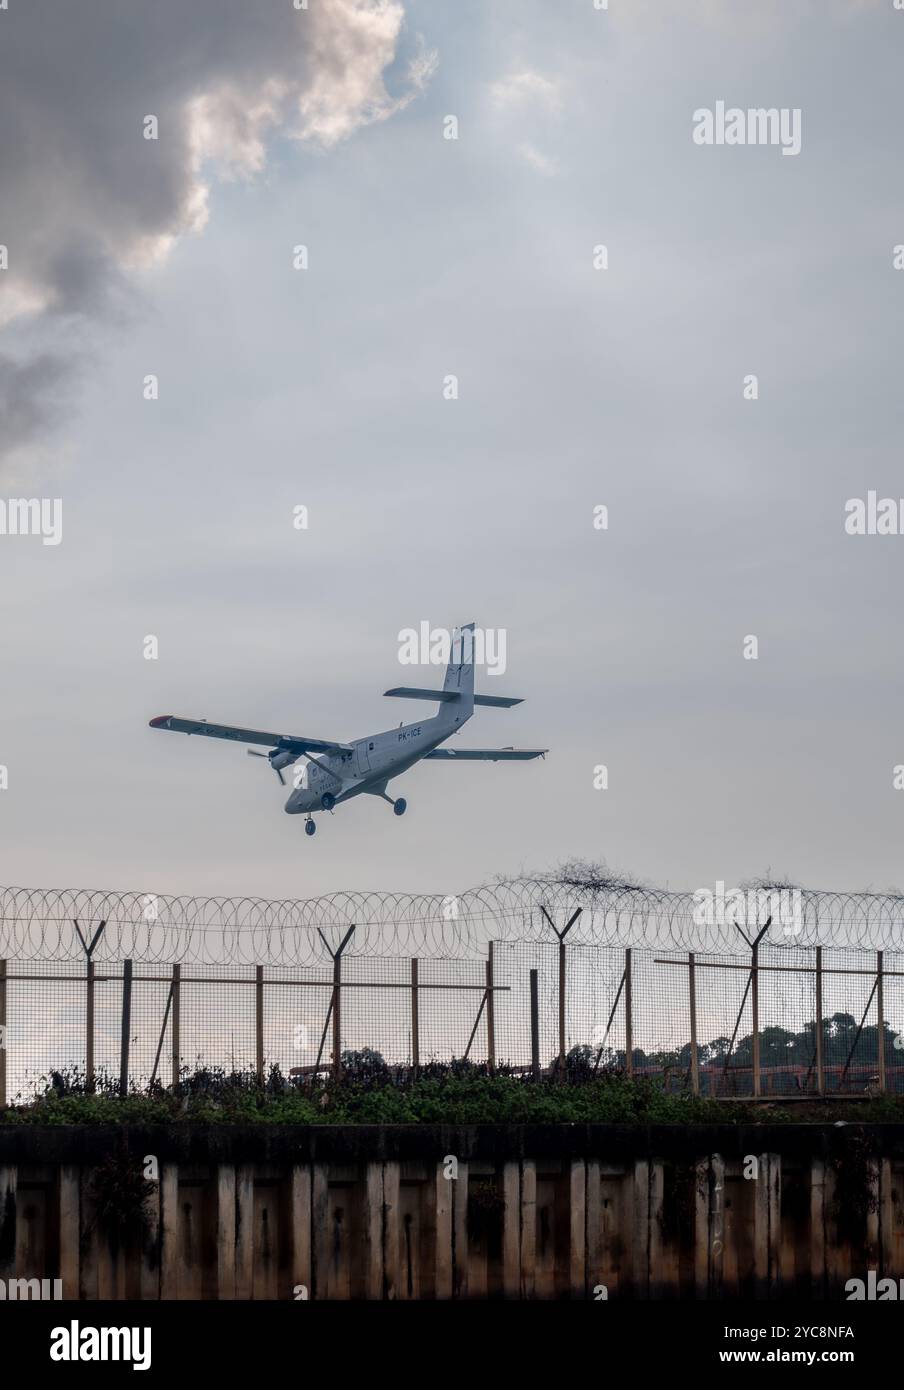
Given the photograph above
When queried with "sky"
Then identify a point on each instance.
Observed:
(578, 387)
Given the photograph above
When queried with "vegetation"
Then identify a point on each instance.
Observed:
(371, 1092)
(121, 1194)
(781, 1049)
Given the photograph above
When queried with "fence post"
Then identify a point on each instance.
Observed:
(415, 1022)
(561, 936)
(695, 1062)
(880, 1009)
(174, 1037)
(88, 948)
(259, 1021)
(534, 1026)
(126, 1029)
(755, 1016)
(89, 1026)
(337, 1005)
(491, 1012)
(561, 1006)
(335, 1008)
(820, 1067)
(3, 1038)
(629, 1022)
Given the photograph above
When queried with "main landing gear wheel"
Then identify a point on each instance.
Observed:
(400, 807)
(309, 827)
(327, 801)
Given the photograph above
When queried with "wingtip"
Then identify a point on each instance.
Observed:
(160, 722)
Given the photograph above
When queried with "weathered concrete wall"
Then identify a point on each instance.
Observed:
(541, 1212)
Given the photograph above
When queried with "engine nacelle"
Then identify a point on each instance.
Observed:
(280, 759)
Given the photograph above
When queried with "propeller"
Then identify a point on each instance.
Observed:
(274, 753)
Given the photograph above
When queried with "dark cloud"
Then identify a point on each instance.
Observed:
(30, 396)
(85, 195)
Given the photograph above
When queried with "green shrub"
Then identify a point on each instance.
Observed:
(368, 1091)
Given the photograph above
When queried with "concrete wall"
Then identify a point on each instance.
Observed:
(534, 1212)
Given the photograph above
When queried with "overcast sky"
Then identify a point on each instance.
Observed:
(323, 388)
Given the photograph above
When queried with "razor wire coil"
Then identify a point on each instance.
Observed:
(58, 924)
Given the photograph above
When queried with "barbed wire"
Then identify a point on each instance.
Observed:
(58, 924)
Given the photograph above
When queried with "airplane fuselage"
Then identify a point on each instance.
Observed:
(374, 761)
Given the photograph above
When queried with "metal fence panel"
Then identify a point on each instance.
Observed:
(244, 1017)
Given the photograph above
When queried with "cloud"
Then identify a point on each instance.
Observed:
(525, 89)
(29, 396)
(538, 160)
(87, 199)
(519, 99)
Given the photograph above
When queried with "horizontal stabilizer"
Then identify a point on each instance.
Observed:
(497, 701)
(487, 755)
(413, 692)
(445, 697)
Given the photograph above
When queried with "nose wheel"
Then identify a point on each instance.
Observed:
(310, 826)
(400, 807)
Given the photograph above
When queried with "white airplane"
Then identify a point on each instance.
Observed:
(344, 770)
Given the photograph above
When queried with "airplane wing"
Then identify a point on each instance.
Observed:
(488, 755)
(292, 743)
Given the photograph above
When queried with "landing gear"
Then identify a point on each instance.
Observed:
(399, 807)
(309, 827)
(327, 801)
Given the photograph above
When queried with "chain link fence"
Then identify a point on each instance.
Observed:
(776, 1021)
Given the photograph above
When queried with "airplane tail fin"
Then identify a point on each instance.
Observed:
(459, 678)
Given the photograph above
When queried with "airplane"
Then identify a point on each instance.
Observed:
(340, 771)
